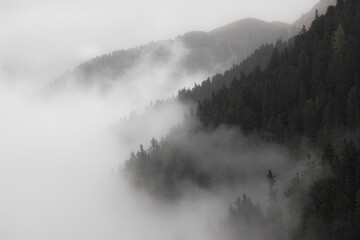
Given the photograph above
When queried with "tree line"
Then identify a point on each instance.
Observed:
(309, 88)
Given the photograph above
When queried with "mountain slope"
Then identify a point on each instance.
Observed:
(250, 33)
(307, 18)
(192, 53)
(310, 89)
(258, 59)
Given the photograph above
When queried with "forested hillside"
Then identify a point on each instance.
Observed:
(191, 53)
(259, 58)
(309, 90)
(188, 54)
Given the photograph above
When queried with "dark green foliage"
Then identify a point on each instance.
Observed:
(329, 207)
(260, 58)
(309, 88)
(352, 107)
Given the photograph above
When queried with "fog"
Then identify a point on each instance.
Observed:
(57, 172)
(227, 164)
(60, 158)
(60, 153)
(42, 39)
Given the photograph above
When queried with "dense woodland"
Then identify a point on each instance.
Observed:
(194, 52)
(259, 58)
(310, 89)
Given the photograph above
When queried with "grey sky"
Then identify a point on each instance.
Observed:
(43, 38)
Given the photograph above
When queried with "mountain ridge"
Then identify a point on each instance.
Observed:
(205, 52)
(307, 18)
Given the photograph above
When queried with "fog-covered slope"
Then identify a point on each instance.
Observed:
(193, 53)
(306, 98)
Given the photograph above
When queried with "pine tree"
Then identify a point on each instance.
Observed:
(352, 107)
(274, 212)
(310, 119)
(273, 189)
(339, 42)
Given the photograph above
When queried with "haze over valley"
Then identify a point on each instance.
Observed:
(160, 120)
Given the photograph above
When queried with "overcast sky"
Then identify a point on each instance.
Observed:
(43, 38)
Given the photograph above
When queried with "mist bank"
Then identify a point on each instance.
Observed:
(308, 91)
(224, 157)
(265, 186)
(59, 166)
(59, 160)
(59, 172)
(193, 53)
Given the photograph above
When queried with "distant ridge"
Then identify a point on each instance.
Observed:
(250, 33)
(208, 52)
(248, 24)
(307, 18)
